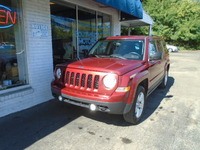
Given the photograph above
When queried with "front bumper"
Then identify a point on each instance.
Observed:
(109, 107)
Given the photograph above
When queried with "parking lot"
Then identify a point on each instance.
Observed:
(171, 120)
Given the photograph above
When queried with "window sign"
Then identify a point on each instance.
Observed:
(39, 30)
(7, 17)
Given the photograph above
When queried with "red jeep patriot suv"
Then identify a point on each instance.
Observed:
(116, 77)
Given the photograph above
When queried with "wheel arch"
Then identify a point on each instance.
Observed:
(168, 66)
(143, 83)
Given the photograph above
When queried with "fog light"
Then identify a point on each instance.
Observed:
(60, 98)
(93, 107)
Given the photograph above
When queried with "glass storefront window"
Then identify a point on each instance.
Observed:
(12, 60)
(75, 30)
(63, 21)
(86, 30)
(104, 25)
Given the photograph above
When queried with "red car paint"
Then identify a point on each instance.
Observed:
(81, 82)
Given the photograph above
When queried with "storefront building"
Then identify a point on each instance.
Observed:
(36, 35)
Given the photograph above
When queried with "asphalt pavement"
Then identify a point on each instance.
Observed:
(171, 120)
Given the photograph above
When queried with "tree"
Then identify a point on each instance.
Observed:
(176, 20)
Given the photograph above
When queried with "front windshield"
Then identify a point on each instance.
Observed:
(122, 49)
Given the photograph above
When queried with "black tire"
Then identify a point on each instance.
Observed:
(137, 108)
(164, 80)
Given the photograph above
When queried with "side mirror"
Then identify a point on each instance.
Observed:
(155, 56)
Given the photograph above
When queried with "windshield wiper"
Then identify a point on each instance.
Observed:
(99, 56)
(93, 55)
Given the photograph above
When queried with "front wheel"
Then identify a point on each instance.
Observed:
(135, 114)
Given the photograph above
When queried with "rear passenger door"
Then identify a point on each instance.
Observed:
(155, 63)
(161, 50)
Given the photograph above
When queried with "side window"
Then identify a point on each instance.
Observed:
(164, 46)
(160, 46)
(152, 48)
(154, 53)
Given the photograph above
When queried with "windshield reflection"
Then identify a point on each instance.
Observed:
(121, 49)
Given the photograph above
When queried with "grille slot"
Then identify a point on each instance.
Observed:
(77, 79)
(84, 80)
(67, 76)
(72, 79)
(89, 81)
(96, 82)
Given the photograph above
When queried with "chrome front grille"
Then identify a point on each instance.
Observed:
(82, 80)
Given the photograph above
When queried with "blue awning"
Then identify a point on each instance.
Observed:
(129, 7)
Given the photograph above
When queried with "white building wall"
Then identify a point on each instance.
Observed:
(39, 62)
(38, 53)
(39, 49)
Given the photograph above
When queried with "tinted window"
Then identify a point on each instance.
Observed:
(154, 52)
(160, 45)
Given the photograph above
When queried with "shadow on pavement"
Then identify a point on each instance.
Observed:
(152, 104)
(154, 100)
(20, 130)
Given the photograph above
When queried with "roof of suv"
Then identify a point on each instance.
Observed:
(130, 37)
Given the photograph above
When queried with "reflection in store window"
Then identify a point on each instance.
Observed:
(86, 30)
(63, 21)
(71, 40)
(104, 25)
(12, 62)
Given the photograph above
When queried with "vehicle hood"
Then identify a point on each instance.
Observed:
(118, 66)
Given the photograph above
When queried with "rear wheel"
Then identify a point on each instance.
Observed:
(135, 114)
(165, 80)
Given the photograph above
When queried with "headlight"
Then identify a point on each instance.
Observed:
(110, 81)
(58, 73)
